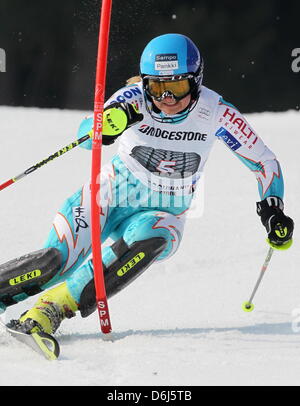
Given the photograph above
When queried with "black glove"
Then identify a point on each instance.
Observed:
(117, 117)
(279, 227)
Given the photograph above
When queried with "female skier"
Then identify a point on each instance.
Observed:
(166, 123)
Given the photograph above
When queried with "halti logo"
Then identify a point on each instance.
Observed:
(228, 139)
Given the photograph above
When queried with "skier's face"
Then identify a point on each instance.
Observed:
(171, 106)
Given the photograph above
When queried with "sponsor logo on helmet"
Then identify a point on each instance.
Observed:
(166, 72)
(166, 62)
(166, 57)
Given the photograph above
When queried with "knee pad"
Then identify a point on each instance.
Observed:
(131, 261)
(150, 224)
(24, 276)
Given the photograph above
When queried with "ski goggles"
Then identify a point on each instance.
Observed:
(178, 87)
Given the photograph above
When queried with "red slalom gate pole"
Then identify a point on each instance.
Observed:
(101, 297)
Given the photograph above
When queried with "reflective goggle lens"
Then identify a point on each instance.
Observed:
(179, 88)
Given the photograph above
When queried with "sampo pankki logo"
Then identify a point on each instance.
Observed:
(166, 62)
(2, 60)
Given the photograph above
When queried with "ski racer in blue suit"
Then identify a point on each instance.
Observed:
(166, 122)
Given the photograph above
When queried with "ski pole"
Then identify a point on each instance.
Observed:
(45, 161)
(249, 306)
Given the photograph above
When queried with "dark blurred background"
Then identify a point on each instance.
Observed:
(51, 48)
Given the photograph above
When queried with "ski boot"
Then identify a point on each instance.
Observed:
(47, 314)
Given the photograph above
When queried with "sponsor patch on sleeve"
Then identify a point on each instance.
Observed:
(228, 138)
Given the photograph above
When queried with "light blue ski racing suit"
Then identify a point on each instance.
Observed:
(148, 187)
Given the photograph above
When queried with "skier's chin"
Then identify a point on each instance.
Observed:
(172, 107)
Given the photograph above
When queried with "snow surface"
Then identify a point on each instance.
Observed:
(181, 322)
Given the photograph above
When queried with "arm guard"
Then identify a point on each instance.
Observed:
(117, 117)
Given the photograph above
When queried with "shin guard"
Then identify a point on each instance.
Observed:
(24, 276)
(131, 262)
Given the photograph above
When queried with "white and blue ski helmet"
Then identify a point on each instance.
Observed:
(172, 55)
(168, 58)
